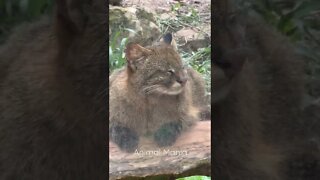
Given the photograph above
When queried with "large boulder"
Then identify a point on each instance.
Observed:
(115, 2)
(136, 24)
(191, 39)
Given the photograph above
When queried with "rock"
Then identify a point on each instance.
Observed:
(191, 39)
(115, 2)
(190, 155)
(136, 24)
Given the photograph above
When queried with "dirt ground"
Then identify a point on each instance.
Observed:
(162, 6)
(189, 32)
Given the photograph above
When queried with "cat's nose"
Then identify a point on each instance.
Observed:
(182, 80)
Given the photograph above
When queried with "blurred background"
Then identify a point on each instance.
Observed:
(13, 12)
(299, 20)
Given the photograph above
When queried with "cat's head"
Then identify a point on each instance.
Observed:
(81, 32)
(156, 69)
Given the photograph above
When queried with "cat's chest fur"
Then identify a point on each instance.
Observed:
(148, 116)
(161, 110)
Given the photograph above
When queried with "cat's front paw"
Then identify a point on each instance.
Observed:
(125, 138)
(167, 134)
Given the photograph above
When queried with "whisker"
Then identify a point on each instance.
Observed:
(150, 89)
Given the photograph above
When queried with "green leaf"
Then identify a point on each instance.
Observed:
(305, 8)
(175, 7)
(2, 4)
(35, 8)
(130, 30)
(312, 23)
(195, 178)
(110, 52)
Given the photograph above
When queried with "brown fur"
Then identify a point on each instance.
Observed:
(257, 92)
(53, 96)
(143, 111)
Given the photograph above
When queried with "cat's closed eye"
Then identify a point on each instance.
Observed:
(171, 71)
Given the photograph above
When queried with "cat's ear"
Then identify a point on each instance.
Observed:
(168, 39)
(71, 17)
(135, 55)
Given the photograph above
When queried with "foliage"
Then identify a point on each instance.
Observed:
(188, 16)
(183, 15)
(201, 62)
(13, 12)
(300, 21)
(116, 51)
(293, 18)
(195, 178)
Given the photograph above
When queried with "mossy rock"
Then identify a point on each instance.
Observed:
(141, 22)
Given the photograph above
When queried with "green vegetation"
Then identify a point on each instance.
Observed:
(300, 21)
(195, 178)
(184, 16)
(188, 16)
(200, 61)
(293, 18)
(13, 12)
(116, 51)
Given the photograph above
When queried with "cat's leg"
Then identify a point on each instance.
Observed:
(167, 134)
(126, 138)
